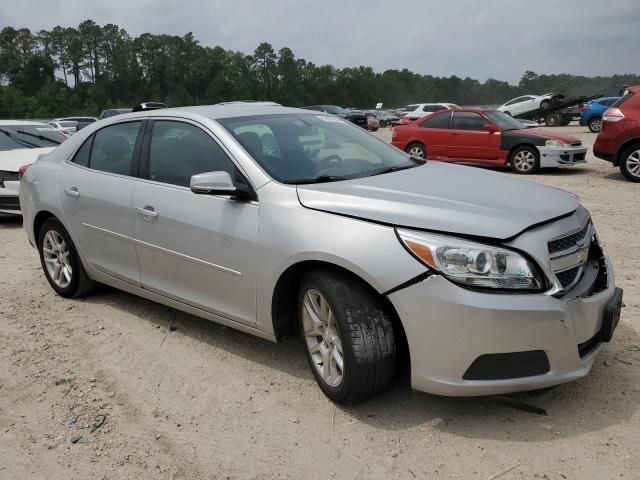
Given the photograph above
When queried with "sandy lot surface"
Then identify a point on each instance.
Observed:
(182, 398)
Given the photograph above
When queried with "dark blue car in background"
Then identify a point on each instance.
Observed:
(592, 112)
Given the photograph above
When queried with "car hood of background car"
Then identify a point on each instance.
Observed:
(444, 198)
(12, 160)
(539, 132)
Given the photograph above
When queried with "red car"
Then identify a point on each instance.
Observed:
(619, 139)
(487, 137)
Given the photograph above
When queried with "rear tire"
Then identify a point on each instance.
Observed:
(417, 149)
(552, 120)
(60, 261)
(595, 124)
(348, 336)
(630, 163)
(525, 160)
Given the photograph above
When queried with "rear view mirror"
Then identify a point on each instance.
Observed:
(490, 127)
(213, 183)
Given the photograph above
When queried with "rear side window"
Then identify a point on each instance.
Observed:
(83, 154)
(440, 120)
(607, 103)
(467, 121)
(180, 150)
(113, 148)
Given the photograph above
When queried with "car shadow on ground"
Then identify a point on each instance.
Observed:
(609, 395)
(10, 223)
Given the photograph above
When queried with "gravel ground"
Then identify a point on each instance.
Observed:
(184, 398)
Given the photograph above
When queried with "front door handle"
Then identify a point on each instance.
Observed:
(147, 211)
(72, 192)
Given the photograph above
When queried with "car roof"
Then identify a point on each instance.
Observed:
(6, 123)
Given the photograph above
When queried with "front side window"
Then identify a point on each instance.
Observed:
(180, 150)
(441, 120)
(467, 121)
(113, 148)
(308, 148)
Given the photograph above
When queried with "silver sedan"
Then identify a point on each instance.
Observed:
(278, 221)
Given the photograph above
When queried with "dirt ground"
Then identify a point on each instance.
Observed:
(184, 398)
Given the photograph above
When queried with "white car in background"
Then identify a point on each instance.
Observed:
(21, 143)
(67, 127)
(528, 103)
(419, 110)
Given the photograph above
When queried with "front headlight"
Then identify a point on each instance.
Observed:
(472, 264)
(556, 143)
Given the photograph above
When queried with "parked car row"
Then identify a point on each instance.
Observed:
(489, 284)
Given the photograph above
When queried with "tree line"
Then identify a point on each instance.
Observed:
(83, 70)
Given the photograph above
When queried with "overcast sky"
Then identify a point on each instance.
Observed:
(476, 38)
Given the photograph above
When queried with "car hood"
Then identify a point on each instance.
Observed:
(541, 133)
(12, 160)
(445, 198)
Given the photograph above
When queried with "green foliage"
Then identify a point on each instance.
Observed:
(86, 69)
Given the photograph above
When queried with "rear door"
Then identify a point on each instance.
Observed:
(468, 141)
(434, 134)
(95, 190)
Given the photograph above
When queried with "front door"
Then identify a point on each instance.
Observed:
(469, 141)
(198, 249)
(95, 190)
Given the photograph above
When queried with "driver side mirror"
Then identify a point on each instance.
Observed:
(490, 127)
(213, 183)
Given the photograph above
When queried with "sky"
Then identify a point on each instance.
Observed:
(476, 38)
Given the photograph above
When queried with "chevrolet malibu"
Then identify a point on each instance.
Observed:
(487, 137)
(278, 221)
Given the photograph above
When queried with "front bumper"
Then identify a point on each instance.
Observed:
(448, 328)
(9, 199)
(556, 157)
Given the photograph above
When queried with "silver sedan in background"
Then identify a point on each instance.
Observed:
(278, 221)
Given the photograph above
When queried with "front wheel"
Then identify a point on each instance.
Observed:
(552, 120)
(630, 163)
(348, 336)
(595, 124)
(545, 103)
(60, 261)
(525, 160)
(417, 149)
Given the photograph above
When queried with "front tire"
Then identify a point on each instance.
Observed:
(348, 336)
(545, 103)
(595, 124)
(417, 149)
(525, 160)
(552, 120)
(60, 261)
(630, 163)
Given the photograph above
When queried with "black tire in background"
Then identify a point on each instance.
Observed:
(552, 119)
(366, 333)
(525, 160)
(595, 124)
(80, 283)
(630, 163)
(545, 103)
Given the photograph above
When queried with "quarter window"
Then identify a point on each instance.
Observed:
(83, 154)
(180, 150)
(440, 120)
(467, 121)
(113, 148)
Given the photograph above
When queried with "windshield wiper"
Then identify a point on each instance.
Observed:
(39, 137)
(319, 179)
(393, 169)
(18, 140)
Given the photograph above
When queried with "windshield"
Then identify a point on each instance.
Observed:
(13, 137)
(504, 121)
(308, 148)
(334, 109)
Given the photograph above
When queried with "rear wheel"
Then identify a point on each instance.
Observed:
(525, 160)
(552, 120)
(417, 149)
(60, 261)
(630, 163)
(348, 336)
(595, 124)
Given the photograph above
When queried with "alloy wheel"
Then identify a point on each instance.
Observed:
(416, 151)
(524, 161)
(322, 337)
(633, 163)
(596, 125)
(57, 258)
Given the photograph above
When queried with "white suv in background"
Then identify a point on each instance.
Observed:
(419, 110)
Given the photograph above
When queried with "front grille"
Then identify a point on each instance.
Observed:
(569, 241)
(579, 156)
(9, 203)
(8, 177)
(568, 277)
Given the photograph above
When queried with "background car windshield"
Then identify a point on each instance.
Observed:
(305, 146)
(335, 109)
(29, 137)
(504, 121)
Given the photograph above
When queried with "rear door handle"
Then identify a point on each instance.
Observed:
(147, 212)
(72, 192)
